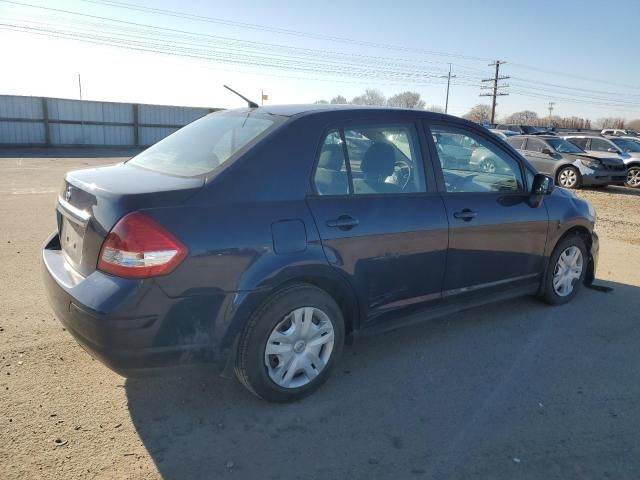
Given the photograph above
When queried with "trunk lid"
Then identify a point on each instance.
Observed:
(93, 200)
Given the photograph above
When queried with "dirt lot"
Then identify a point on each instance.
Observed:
(513, 390)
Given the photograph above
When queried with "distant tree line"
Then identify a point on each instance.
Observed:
(481, 113)
(375, 97)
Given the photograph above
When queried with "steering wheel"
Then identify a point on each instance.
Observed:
(401, 174)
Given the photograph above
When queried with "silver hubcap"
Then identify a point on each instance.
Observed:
(488, 166)
(633, 177)
(299, 347)
(567, 271)
(568, 178)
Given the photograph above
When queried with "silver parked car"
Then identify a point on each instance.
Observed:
(612, 147)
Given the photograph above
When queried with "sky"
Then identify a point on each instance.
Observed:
(579, 54)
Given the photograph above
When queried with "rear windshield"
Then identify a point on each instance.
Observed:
(206, 143)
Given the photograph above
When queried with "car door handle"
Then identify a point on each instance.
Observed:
(466, 215)
(343, 222)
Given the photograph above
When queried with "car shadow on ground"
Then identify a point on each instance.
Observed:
(616, 190)
(517, 389)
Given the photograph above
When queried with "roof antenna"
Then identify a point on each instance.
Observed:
(249, 102)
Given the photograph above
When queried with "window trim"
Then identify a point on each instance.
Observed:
(428, 124)
(430, 187)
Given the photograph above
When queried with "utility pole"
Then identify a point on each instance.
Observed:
(495, 93)
(551, 104)
(80, 86)
(448, 77)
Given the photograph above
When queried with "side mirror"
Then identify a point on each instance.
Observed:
(542, 185)
(613, 150)
(547, 151)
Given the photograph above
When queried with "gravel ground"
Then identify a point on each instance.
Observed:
(513, 390)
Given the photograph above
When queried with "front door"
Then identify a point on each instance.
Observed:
(380, 218)
(496, 239)
(543, 162)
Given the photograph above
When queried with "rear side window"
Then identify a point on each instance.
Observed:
(331, 173)
(471, 163)
(516, 142)
(205, 144)
(579, 142)
(372, 159)
(535, 145)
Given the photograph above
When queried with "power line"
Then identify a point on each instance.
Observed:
(252, 26)
(495, 93)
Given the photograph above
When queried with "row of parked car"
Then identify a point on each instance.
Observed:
(577, 159)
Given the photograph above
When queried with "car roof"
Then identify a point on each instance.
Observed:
(310, 109)
(584, 135)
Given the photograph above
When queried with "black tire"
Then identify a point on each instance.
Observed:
(549, 295)
(633, 176)
(250, 366)
(569, 171)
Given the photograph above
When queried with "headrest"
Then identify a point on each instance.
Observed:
(331, 157)
(379, 160)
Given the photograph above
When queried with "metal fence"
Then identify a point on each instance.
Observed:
(41, 121)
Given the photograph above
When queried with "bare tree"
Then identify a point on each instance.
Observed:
(634, 124)
(609, 122)
(526, 117)
(406, 100)
(320, 102)
(434, 108)
(370, 97)
(570, 122)
(480, 114)
(339, 100)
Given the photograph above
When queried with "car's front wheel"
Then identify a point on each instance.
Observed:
(633, 177)
(569, 177)
(290, 344)
(566, 271)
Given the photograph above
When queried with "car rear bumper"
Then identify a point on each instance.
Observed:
(130, 325)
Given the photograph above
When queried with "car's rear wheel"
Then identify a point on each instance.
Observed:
(566, 271)
(569, 177)
(290, 344)
(633, 177)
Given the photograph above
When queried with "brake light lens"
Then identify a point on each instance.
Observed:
(139, 247)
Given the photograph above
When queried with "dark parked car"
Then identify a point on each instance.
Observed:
(523, 129)
(266, 237)
(567, 163)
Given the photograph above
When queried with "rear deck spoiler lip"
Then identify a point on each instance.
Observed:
(79, 216)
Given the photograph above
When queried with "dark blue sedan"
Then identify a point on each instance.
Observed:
(264, 238)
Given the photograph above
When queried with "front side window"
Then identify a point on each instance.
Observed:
(476, 166)
(562, 146)
(379, 159)
(600, 145)
(205, 144)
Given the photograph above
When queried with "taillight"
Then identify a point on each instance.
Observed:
(139, 247)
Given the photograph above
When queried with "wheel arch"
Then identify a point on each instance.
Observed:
(327, 279)
(584, 233)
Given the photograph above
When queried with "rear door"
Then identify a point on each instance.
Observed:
(380, 218)
(496, 239)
